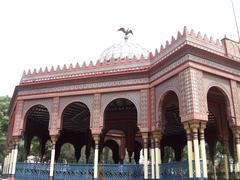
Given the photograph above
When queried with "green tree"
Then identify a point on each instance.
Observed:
(4, 104)
(67, 153)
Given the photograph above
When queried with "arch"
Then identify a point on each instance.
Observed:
(224, 92)
(110, 103)
(114, 138)
(70, 104)
(47, 103)
(115, 131)
(65, 156)
(106, 99)
(114, 146)
(31, 110)
(33, 153)
(65, 101)
(169, 154)
(160, 102)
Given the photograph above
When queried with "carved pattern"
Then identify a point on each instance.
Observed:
(198, 91)
(18, 121)
(191, 85)
(144, 108)
(84, 86)
(238, 93)
(54, 120)
(96, 124)
(161, 72)
(235, 101)
(153, 109)
(186, 92)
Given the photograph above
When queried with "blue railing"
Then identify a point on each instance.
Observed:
(73, 171)
(40, 171)
(174, 170)
(121, 171)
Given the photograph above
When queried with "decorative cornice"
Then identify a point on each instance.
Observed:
(122, 66)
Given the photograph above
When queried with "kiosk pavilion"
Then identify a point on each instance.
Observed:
(185, 94)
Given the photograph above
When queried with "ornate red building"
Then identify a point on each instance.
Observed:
(185, 94)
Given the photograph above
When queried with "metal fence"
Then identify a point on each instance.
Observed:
(121, 171)
(73, 171)
(37, 171)
(40, 171)
(174, 170)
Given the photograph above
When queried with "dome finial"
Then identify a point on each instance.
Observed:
(126, 32)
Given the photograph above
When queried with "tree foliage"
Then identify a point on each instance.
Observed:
(4, 104)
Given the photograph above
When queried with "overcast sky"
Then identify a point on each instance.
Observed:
(43, 33)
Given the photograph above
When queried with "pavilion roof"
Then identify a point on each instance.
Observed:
(125, 65)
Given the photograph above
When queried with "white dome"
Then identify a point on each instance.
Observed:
(124, 50)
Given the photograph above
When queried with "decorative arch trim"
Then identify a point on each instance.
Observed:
(65, 101)
(225, 93)
(134, 97)
(28, 105)
(160, 99)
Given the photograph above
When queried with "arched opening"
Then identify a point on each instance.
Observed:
(170, 125)
(137, 149)
(75, 130)
(67, 153)
(168, 154)
(36, 126)
(120, 125)
(110, 152)
(84, 154)
(218, 133)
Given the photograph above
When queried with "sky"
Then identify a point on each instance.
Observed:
(36, 33)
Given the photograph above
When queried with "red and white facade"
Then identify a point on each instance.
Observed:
(192, 72)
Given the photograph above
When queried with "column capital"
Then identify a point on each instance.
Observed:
(54, 139)
(203, 126)
(15, 140)
(96, 138)
(187, 127)
(145, 135)
(236, 131)
(195, 125)
(157, 136)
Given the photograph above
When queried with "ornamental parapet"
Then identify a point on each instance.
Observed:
(134, 64)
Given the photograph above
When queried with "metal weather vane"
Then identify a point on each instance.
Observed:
(126, 32)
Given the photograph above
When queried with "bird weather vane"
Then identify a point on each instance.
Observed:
(126, 32)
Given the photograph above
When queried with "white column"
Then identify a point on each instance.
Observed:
(145, 153)
(95, 168)
(4, 165)
(152, 159)
(158, 157)
(190, 152)
(52, 161)
(203, 151)
(54, 140)
(196, 153)
(14, 159)
(7, 164)
(238, 150)
(226, 165)
(11, 161)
